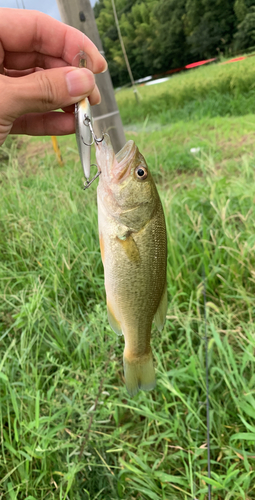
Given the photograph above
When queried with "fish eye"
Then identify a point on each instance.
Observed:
(141, 173)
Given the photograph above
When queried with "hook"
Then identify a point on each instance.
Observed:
(88, 184)
(87, 122)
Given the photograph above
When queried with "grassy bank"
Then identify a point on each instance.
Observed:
(208, 91)
(68, 428)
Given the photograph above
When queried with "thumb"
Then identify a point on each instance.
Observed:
(43, 91)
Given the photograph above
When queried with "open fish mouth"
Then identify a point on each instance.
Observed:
(127, 152)
(115, 167)
(123, 163)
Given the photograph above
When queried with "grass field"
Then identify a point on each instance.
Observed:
(68, 428)
(207, 91)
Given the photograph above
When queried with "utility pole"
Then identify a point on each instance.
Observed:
(106, 117)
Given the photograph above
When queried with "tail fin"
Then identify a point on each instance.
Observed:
(139, 374)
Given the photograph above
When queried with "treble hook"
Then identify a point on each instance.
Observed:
(86, 185)
(87, 122)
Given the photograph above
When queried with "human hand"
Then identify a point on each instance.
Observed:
(37, 76)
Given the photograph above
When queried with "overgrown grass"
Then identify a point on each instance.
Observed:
(68, 427)
(210, 91)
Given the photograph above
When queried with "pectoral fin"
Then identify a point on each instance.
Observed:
(160, 315)
(114, 323)
(130, 247)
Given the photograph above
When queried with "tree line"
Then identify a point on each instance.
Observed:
(166, 34)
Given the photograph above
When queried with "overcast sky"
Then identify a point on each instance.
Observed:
(48, 6)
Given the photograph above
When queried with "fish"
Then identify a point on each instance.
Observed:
(133, 245)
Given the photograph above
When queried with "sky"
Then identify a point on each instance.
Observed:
(48, 6)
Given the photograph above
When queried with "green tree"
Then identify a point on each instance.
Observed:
(245, 36)
(240, 9)
(165, 34)
(170, 41)
(210, 26)
(139, 29)
(109, 36)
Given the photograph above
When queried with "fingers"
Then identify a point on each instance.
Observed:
(25, 60)
(45, 40)
(17, 73)
(37, 73)
(45, 91)
(54, 123)
(95, 97)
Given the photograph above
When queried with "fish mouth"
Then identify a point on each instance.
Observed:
(127, 152)
(123, 164)
(116, 167)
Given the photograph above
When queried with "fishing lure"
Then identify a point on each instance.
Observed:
(85, 135)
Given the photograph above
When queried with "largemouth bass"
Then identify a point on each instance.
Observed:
(132, 235)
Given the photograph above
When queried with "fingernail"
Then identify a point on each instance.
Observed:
(79, 82)
(105, 62)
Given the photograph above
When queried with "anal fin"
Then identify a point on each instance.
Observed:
(114, 323)
(160, 316)
(101, 242)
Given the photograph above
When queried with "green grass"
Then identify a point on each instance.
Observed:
(68, 429)
(207, 91)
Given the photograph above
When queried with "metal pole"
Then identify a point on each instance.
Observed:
(106, 117)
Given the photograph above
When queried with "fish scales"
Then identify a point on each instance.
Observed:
(132, 236)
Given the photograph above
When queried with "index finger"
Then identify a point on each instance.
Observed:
(30, 31)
